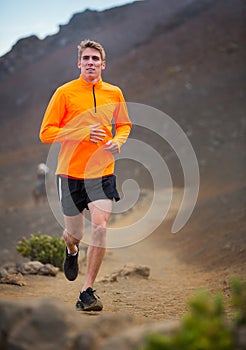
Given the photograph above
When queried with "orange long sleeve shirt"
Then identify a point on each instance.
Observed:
(72, 109)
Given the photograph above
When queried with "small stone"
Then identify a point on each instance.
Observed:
(132, 269)
(30, 268)
(16, 279)
(127, 271)
(3, 272)
(48, 270)
(11, 268)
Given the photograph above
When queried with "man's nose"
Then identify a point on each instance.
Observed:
(90, 61)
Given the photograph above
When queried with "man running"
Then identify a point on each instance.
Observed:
(79, 116)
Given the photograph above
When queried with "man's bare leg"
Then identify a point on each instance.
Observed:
(73, 232)
(72, 236)
(100, 211)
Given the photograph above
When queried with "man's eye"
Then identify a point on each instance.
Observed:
(95, 58)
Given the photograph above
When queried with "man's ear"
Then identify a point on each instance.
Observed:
(103, 65)
(79, 64)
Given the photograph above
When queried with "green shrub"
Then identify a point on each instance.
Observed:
(204, 326)
(44, 248)
(238, 300)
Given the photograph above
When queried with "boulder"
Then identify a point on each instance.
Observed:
(134, 337)
(39, 324)
(51, 324)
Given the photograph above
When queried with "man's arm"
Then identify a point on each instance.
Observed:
(122, 127)
(51, 130)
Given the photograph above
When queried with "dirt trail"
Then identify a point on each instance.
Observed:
(162, 296)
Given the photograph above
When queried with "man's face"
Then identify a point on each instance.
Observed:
(91, 65)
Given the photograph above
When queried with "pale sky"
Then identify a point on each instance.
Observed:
(21, 18)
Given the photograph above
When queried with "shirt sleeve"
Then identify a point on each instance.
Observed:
(122, 122)
(52, 128)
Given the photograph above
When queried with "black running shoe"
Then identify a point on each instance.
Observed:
(88, 301)
(71, 267)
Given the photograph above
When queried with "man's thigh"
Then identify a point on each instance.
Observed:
(75, 225)
(100, 211)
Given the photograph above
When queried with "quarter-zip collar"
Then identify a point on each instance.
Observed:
(90, 84)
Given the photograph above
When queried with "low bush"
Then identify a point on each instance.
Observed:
(44, 248)
(239, 301)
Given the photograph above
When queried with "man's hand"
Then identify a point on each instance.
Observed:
(96, 134)
(111, 147)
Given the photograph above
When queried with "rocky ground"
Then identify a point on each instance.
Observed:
(131, 300)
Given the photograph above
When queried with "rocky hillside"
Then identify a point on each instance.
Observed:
(184, 57)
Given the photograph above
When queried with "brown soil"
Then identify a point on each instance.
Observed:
(173, 278)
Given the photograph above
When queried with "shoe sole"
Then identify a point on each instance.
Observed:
(96, 306)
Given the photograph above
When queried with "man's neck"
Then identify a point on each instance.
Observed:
(92, 81)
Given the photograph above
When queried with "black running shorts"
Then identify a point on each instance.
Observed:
(75, 194)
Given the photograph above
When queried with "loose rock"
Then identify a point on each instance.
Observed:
(16, 279)
(3, 272)
(126, 271)
(30, 268)
(48, 270)
(37, 268)
(13, 274)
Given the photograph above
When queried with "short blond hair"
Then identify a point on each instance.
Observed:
(92, 44)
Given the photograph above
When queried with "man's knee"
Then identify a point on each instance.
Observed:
(72, 238)
(98, 238)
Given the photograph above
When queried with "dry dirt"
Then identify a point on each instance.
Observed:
(161, 296)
